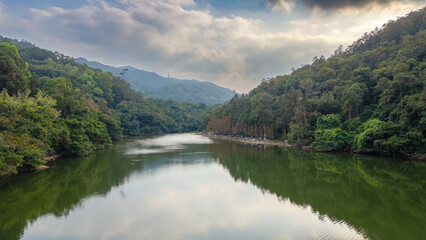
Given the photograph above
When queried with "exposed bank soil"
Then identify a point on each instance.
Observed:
(52, 158)
(256, 141)
(28, 168)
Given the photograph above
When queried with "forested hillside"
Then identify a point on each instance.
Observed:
(50, 105)
(370, 97)
(156, 86)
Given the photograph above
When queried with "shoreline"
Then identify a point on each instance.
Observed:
(254, 141)
(245, 140)
(49, 159)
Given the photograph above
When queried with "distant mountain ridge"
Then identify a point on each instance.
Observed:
(156, 86)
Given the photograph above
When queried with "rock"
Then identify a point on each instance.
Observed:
(307, 148)
(41, 167)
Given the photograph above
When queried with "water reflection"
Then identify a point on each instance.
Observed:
(61, 189)
(253, 193)
(167, 143)
(381, 198)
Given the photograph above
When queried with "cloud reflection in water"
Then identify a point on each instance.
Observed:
(167, 143)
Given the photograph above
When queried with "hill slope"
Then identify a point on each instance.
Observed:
(369, 98)
(156, 86)
(50, 105)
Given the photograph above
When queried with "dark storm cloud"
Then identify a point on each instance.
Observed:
(336, 4)
(329, 4)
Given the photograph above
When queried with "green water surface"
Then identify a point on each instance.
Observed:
(186, 186)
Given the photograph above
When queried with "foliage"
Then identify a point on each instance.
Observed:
(379, 136)
(329, 135)
(51, 105)
(334, 139)
(328, 122)
(26, 124)
(14, 74)
(18, 150)
(370, 97)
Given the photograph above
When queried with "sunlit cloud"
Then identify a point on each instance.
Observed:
(181, 37)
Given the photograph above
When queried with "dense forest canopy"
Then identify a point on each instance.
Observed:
(370, 97)
(51, 105)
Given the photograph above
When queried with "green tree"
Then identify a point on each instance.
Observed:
(69, 99)
(373, 136)
(329, 135)
(262, 114)
(352, 98)
(14, 74)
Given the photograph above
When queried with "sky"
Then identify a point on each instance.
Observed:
(231, 43)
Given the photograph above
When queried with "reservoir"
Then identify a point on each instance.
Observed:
(187, 186)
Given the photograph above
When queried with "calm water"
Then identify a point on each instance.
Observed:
(188, 187)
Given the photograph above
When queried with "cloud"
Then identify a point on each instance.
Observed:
(177, 37)
(3, 15)
(281, 4)
(156, 35)
(339, 4)
(331, 4)
(164, 36)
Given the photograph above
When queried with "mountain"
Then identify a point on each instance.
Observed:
(369, 98)
(156, 86)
